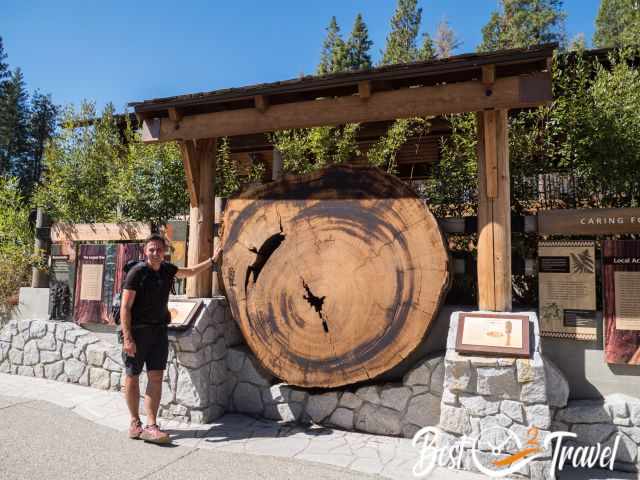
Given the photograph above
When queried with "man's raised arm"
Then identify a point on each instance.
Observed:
(186, 272)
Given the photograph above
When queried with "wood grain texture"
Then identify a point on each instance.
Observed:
(333, 277)
(494, 220)
(201, 155)
(470, 96)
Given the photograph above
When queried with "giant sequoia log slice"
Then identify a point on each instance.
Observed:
(335, 276)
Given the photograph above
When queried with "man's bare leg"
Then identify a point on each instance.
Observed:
(132, 395)
(152, 395)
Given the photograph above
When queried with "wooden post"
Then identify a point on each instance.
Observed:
(216, 289)
(276, 170)
(200, 166)
(40, 278)
(494, 212)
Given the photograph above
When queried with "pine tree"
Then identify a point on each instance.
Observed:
(427, 50)
(446, 41)
(332, 49)
(401, 41)
(4, 67)
(358, 46)
(14, 125)
(523, 23)
(617, 23)
(41, 125)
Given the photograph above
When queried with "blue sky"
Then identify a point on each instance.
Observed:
(123, 51)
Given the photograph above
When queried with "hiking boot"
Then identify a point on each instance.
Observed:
(135, 429)
(153, 434)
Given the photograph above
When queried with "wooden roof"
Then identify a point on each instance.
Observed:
(448, 70)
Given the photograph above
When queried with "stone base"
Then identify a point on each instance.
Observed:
(33, 303)
(496, 400)
(194, 382)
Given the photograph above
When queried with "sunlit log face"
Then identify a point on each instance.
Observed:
(333, 277)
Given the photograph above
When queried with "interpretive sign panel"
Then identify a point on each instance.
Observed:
(494, 334)
(589, 221)
(567, 289)
(621, 280)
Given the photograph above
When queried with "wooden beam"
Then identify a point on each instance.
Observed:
(364, 89)
(488, 75)
(261, 102)
(191, 170)
(494, 220)
(201, 216)
(508, 92)
(175, 115)
(94, 232)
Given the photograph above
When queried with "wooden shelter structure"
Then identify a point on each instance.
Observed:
(489, 84)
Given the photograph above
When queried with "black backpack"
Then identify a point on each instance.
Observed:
(117, 301)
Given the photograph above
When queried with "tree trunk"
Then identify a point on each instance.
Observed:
(334, 277)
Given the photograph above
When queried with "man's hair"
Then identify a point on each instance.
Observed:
(156, 237)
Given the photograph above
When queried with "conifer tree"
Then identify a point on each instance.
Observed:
(14, 125)
(333, 49)
(522, 23)
(427, 50)
(401, 41)
(446, 41)
(42, 124)
(617, 23)
(358, 46)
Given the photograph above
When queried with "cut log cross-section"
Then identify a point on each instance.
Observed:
(334, 277)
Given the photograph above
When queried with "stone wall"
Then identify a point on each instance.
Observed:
(399, 408)
(601, 421)
(194, 381)
(485, 392)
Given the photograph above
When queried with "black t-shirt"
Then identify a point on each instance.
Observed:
(152, 292)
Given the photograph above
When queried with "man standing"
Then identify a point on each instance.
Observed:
(144, 315)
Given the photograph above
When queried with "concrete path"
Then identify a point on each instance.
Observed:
(57, 430)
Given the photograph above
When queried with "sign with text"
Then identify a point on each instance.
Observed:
(589, 221)
(567, 289)
(493, 334)
(621, 289)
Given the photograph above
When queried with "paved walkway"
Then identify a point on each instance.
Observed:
(346, 452)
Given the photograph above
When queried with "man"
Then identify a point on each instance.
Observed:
(144, 317)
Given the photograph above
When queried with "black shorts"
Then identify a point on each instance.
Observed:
(152, 349)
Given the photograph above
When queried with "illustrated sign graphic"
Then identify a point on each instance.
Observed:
(567, 289)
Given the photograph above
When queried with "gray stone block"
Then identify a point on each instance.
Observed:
(26, 371)
(48, 342)
(53, 370)
(557, 388)
(235, 358)
(95, 355)
(321, 406)
(37, 329)
(454, 420)
(584, 411)
(99, 378)
(590, 434)
(286, 412)
(378, 420)
(436, 384)
(278, 393)
(50, 357)
(15, 357)
(350, 400)
(369, 394)
(342, 418)
(539, 416)
(513, 410)
(419, 375)
(478, 405)
(395, 397)
(31, 353)
(459, 376)
(423, 410)
(247, 398)
(498, 382)
(252, 372)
